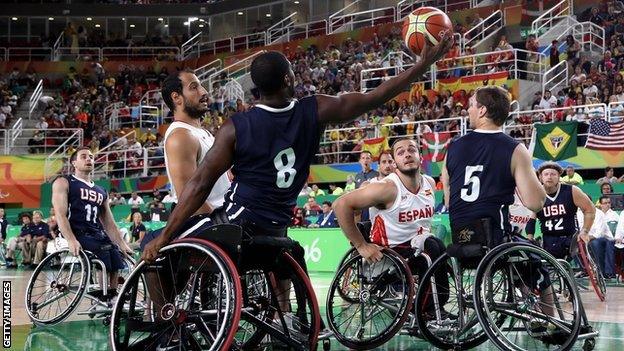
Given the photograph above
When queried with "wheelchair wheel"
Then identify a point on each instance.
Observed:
(445, 312)
(264, 319)
(349, 277)
(189, 317)
(544, 307)
(380, 297)
(56, 287)
(594, 273)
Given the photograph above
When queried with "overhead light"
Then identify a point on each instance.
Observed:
(97, 25)
(240, 13)
(123, 18)
(132, 26)
(89, 19)
(166, 26)
(14, 18)
(296, 2)
(160, 19)
(201, 26)
(202, 20)
(191, 19)
(50, 18)
(186, 23)
(268, 15)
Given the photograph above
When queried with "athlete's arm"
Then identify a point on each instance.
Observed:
(216, 162)
(583, 202)
(60, 203)
(182, 151)
(379, 195)
(346, 107)
(111, 229)
(444, 178)
(529, 188)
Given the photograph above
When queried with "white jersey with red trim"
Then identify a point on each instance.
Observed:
(519, 215)
(409, 217)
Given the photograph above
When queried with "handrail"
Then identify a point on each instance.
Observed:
(560, 77)
(116, 141)
(61, 152)
(39, 52)
(306, 30)
(15, 132)
(550, 16)
(480, 30)
(202, 71)
(356, 18)
(129, 162)
(110, 114)
(589, 109)
(57, 45)
(131, 51)
(186, 49)
(78, 52)
(34, 98)
(280, 29)
(405, 7)
(245, 62)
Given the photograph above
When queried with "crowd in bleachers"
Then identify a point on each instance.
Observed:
(13, 86)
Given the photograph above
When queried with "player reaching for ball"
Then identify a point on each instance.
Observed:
(271, 146)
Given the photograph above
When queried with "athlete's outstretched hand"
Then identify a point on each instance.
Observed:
(370, 252)
(151, 249)
(431, 54)
(74, 247)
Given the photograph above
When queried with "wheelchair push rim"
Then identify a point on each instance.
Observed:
(593, 271)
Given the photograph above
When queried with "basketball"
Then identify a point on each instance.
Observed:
(424, 23)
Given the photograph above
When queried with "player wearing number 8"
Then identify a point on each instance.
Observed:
(84, 216)
(558, 217)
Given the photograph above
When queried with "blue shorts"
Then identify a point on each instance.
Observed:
(558, 246)
(104, 249)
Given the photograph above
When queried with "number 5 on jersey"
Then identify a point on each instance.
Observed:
(472, 183)
(285, 171)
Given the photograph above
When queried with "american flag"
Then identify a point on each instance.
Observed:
(605, 136)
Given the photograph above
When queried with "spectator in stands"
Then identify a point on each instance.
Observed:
(609, 177)
(350, 186)
(327, 219)
(589, 88)
(602, 239)
(40, 237)
(306, 190)
(168, 198)
(3, 226)
(554, 53)
(158, 212)
(157, 194)
(571, 177)
(3, 120)
(311, 208)
(154, 203)
(367, 173)
(6, 109)
(547, 101)
(117, 199)
(137, 230)
(24, 237)
(335, 190)
(573, 50)
(316, 191)
(299, 219)
(135, 200)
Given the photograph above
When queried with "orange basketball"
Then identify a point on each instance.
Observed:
(424, 22)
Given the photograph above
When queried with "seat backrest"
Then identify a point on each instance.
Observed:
(365, 228)
(227, 236)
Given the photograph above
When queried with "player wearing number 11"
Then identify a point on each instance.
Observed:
(271, 146)
(84, 216)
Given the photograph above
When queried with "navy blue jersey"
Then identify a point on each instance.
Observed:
(481, 183)
(274, 150)
(558, 216)
(41, 229)
(86, 203)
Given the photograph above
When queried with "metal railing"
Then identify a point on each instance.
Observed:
(33, 101)
(281, 29)
(373, 77)
(28, 54)
(111, 112)
(232, 71)
(4, 55)
(242, 42)
(57, 44)
(191, 47)
(520, 64)
(405, 7)
(162, 53)
(368, 18)
(551, 17)
(117, 142)
(13, 135)
(133, 162)
(234, 91)
(206, 70)
(557, 76)
(59, 158)
(483, 30)
(36, 141)
(587, 34)
(307, 30)
(616, 111)
(332, 22)
(577, 113)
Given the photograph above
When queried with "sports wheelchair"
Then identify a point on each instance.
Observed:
(514, 294)
(235, 290)
(63, 283)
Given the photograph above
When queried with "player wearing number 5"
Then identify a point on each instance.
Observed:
(84, 217)
(558, 217)
(271, 146)
(483, 167)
